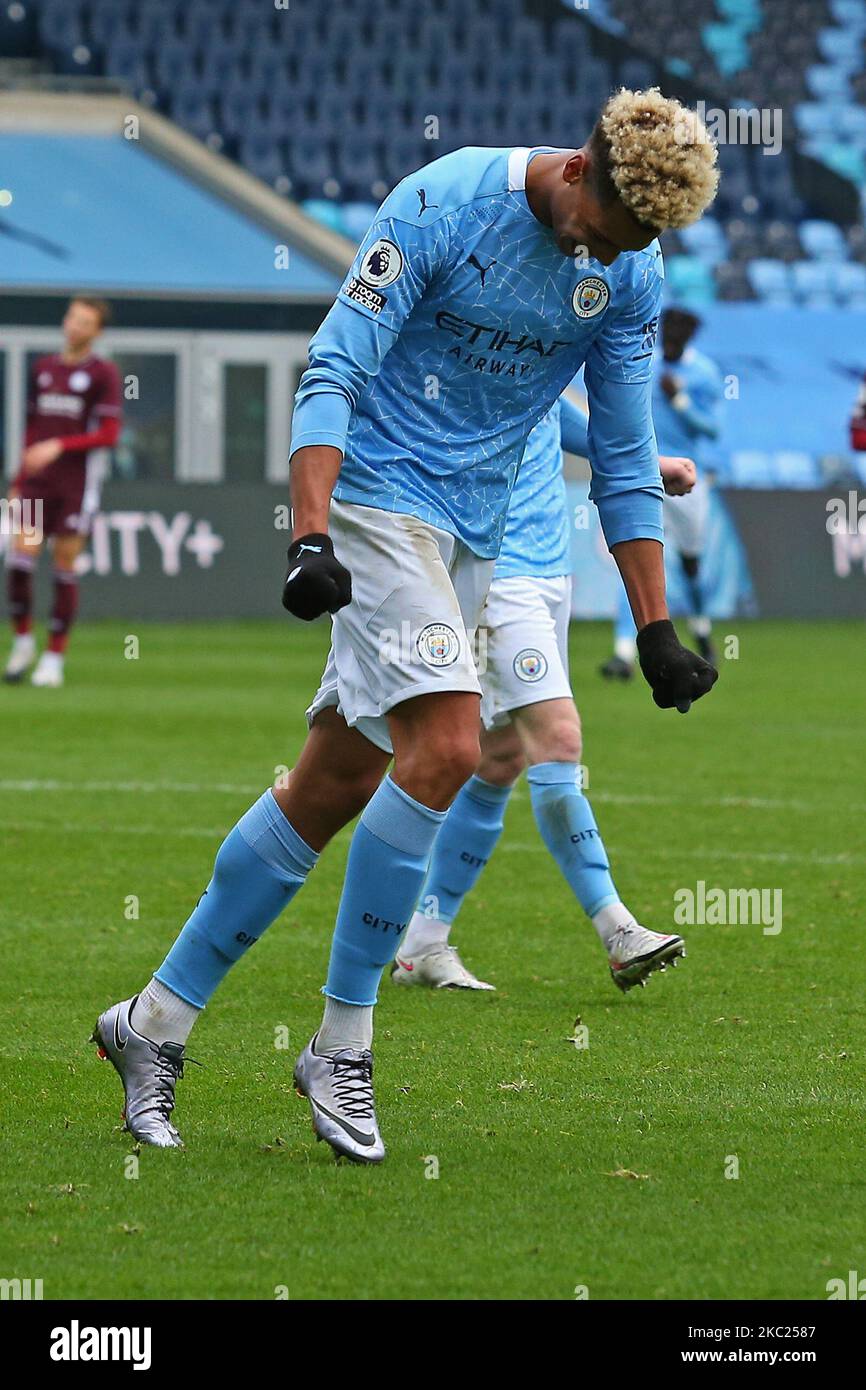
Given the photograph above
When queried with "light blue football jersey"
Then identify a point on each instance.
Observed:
(537, 540)
(456, 330)
(686, 432)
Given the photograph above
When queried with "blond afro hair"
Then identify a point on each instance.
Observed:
(656, 156)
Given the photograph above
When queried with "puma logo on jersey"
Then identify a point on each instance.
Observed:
(425, 206)
(482, 269)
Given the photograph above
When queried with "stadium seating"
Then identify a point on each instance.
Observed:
(304, 104)
(335, 105)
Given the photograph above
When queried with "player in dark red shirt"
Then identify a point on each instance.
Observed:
(73, 416)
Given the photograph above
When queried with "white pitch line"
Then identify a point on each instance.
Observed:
(168, 832)
(676, 852)
(742, 803)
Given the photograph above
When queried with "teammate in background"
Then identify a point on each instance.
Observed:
(530, 722)
(471, 304)
(73, 414)
(687, 397)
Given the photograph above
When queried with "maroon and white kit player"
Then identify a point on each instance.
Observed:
(73, 415)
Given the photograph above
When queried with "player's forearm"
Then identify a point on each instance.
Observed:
(314, 473)
(104, 438)
(641, 565)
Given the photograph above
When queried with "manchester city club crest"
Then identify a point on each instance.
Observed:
(438, 645)
(530, 665)
(381, 264)
(591, 297)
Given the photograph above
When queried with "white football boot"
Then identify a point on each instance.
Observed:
(22, 656)
(149, 1074)
(438, 968)
(339, 1087)
(49, 670)
(636, 952)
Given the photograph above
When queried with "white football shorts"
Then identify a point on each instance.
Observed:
(410, 629)
(523, 644)
(685, 519)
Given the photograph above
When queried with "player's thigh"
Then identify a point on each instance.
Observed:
(336, 773)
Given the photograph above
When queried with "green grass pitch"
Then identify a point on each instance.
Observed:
(558, 1167)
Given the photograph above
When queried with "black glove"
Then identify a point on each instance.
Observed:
(316, 582)
(675, 675)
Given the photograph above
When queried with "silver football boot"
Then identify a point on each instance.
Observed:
(339, 1087)
(635, 952)
(149, 1074)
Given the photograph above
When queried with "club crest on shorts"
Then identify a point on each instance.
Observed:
(591, 297)
(437, 644)
(382, 264)
(530, 665)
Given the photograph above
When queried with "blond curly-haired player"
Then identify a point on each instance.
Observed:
(493, 276)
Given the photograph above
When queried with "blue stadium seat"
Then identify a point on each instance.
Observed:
(814, 283)
(262, 155)
(241, 113)
(195, 113)
(155, 24)
(795, 469)
(851, 123)
(841, 47)
(845, 158)
(310, 167)
(637, 73)
(851, 13)
(267, 69)
(828, 82)
(750, 468)
(329, 213)
(61, 27)
(815, 120)
(357, 218)
(402, 155)
(823, 240)
(174, 66)
(689, 281)
(198, 24)
(770, 280)
(220, 66)
(706, 240)
(110, 23)
(358, 165)
(125, 61)
(851, 283)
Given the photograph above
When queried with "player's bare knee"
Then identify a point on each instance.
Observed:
(502, 767)
(435, 771)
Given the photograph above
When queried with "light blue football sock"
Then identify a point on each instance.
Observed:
(388, 860)
(567, 825)
(463, 846)
(259, 868)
